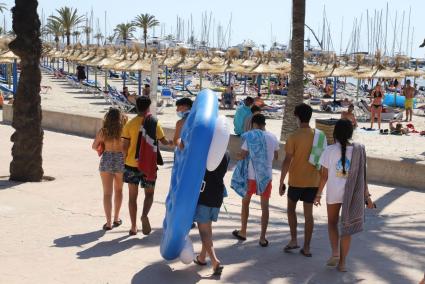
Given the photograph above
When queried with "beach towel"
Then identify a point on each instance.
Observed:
(257, 154)
(353, 206)
(319, 145)
(241, 114)
(147, 151)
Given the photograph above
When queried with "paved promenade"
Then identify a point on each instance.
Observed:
(51, 232)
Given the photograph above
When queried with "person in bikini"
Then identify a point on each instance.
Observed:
(376, 107)
(409, 93)
(111, 167)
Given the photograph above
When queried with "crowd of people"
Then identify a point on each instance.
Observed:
(130, 154)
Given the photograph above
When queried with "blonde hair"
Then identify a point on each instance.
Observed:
(113, 124)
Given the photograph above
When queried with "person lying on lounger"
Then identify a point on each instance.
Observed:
(396, 128)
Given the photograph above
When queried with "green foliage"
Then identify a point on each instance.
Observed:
(125, 31)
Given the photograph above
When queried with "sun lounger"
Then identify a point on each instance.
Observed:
(118, 100)
(113, 74)
(4, 89)
(385, 116)
(167, 96)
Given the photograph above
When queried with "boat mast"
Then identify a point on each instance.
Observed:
(408, 32)
(401, 35)
(386, 30)
(395, 32)
(342, 31)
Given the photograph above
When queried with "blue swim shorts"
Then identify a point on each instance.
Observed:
(205, 214)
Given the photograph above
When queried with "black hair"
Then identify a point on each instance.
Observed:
(303, 112)
(147, 86)
(343, 132)
(142, 104)
(249, 101)
(408, 81)
(259, 119)
(184, 102)
(255, 108)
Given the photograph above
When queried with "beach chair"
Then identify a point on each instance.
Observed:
(113, 74)
(389, 115)
(117, 99)
(167, 96)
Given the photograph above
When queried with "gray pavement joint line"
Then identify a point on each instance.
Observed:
(79, 213)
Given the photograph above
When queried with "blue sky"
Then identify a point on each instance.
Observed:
(261, 21)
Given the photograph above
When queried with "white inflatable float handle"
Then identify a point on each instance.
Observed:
(219, 143)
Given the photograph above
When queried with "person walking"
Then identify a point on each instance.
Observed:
(207, 210)
(304, 178)
(111, 167)
(253, 174)
(344, 172)
(141, 153)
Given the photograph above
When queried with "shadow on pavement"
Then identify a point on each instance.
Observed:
(109, 248)
(162, 273)
(78, 240)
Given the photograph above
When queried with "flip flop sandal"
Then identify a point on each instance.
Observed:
(264, 244)
(146, 226)
(218, 270)
(341, 268)
(288, 248)
(305, 254)
(117, 223)
(132, 233)
(333, 261)
(196, 261)
(235, 233)
(106, 228)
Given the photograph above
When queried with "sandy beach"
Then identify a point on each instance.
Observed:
(65, 98)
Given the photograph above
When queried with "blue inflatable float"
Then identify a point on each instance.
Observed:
(188, 173)
(398, 101)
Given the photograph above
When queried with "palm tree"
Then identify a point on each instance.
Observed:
(87, 31)
(76, 35)
(26, 165)
(98, 37)
(145, 22)
(110, 39)
(55, 28)
(125, 31)
(69, 19)
(296, 86)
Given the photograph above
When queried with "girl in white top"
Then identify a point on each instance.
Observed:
(336, 162)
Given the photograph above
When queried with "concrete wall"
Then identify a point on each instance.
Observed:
(409, 174)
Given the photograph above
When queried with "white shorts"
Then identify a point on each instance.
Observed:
(334, 195)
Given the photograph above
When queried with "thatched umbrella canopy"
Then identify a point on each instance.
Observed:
(101, 54)
(204, 66)
(412, 73)
(8, 55)
(264, 68)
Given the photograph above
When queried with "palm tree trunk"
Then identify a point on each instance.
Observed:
(68, 38)
(296, 86)
(145, 37)
(28, 136)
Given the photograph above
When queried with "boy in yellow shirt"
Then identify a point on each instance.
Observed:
(132, 175)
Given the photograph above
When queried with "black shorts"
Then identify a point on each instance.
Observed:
(132, 175)
(306, 194)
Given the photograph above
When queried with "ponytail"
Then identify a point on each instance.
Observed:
(343, 132)
(343, 157)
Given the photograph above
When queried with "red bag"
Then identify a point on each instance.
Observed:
(100, 149)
